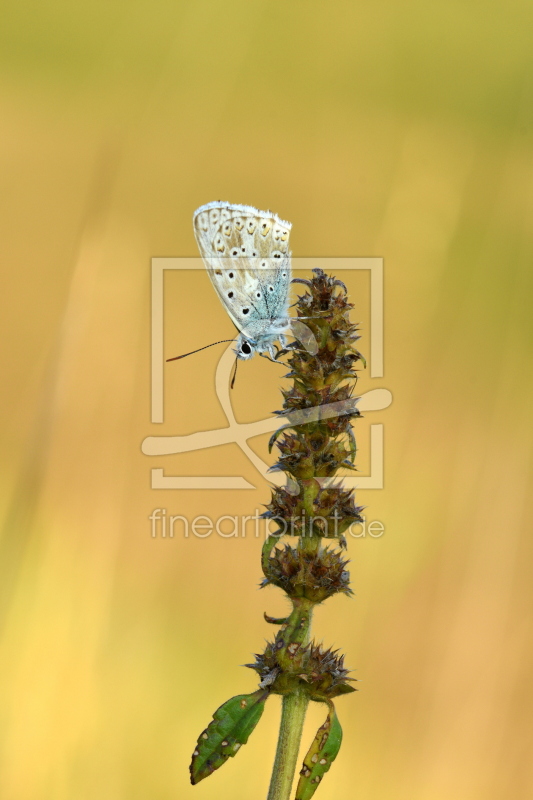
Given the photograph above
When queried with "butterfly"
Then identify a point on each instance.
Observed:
(246, 252)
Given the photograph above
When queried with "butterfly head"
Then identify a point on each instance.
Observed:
(246, 348)
(264, 342)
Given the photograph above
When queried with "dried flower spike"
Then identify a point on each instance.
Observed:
(314, 443)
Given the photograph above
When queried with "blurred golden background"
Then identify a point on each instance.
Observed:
(384, 129)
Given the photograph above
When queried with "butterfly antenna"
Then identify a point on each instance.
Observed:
(200, 348)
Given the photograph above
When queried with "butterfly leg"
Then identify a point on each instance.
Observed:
(272, 360)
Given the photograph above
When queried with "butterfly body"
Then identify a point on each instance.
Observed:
(246, 252)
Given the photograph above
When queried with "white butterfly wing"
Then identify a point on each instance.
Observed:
(247, 256)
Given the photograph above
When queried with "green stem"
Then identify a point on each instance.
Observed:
(293, 710)
(292, 720)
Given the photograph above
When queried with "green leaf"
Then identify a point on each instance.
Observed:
(275, 620)
(275, 435)
(269, 543)
(321, 755)
(232, 724)
(352, 443)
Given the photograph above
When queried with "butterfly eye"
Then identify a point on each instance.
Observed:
(227, 228)
(246, 349)
(245, 310)
(250, 226)
(230, 295)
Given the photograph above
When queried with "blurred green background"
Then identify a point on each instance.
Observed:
(401, 130)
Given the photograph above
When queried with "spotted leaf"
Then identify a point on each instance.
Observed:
(321, 755)
(232, 724)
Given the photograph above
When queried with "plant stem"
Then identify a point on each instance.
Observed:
(290, 733)
(293, 712)
(310, 573)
